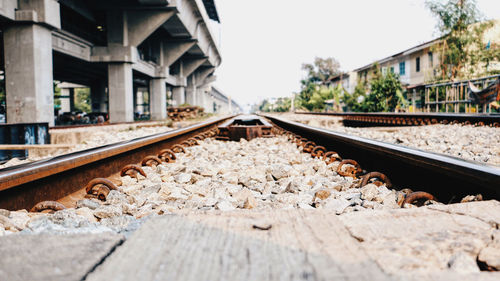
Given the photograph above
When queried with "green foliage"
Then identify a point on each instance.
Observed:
(356, 101)
(82, 100)
(280, 105)
(386, 95)
(462, 49)
(313, 97)
(383, 96)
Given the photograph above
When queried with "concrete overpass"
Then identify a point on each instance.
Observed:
(115, 47)
(217, 102)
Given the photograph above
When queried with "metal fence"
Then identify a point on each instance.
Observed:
(454, 96)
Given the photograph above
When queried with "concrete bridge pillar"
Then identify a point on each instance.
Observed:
(28, 73)
(179, 95)
(191, 91)
(121, 103)
(158, 99)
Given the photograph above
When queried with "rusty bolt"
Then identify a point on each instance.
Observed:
(308, 146)
(331, 156)
(133, 167)
(349, 171)
(47, 205)
(318, 151)
(412, 197)
(99, 181)
(376, 175)
(178, 148)
(151, 160)
(166, 155)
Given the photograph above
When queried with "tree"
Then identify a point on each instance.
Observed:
(462, 47)
(355, 101)
(385, 92)
(321, 70)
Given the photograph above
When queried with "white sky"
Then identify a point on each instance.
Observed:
(265, 42)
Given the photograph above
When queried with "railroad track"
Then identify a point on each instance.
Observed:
(357, 119)
(23, 186)
(98, 170)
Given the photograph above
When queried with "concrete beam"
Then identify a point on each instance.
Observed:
(203, 73)
(142, 23)
(69, 44)
(172, 51)
(28, 72)
(40, 11)
(190, 65)
(176, 80)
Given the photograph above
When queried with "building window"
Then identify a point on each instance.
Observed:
(402, 68)
(392, 69)
(417, 64)
(384, 70)
(431, 60)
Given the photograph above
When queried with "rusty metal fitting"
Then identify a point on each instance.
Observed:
(433, 121)
(199, 137)
(193, 141)
(318, 151)
(331, 156)
(102, 192)
(47, 205)
(177, 148)
(166, 155)
(186, 143)
(454, 122)
(151, 160)
(376, 175)
(412, 197)
(99, 181)
(308, 146)
(467, 122)
(349, 171)
(132, 167)
(478, 124)
(496, 124)
(444, 122)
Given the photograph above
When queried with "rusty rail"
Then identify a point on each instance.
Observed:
(23, 186)
(450, 177)
(360, 119)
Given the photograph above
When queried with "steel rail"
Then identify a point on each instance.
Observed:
(25, 185)
(447, 177)
(487, 119)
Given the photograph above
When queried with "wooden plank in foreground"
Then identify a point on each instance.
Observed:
(300, 245)
(53, 257)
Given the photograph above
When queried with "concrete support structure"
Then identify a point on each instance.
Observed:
(179, 95)
(28, 72)
(121, 104)
(158, 99)
(112, 47)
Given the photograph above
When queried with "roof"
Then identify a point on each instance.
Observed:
(211, 10)
(403, 53)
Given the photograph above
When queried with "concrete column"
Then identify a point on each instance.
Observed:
(28, 73)
(65, 102)
(191, 91)
(179, 95)
(121, 104)
(98, 96)
(158, 99)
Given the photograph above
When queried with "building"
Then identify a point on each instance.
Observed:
(418, 65)
(118, 49)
